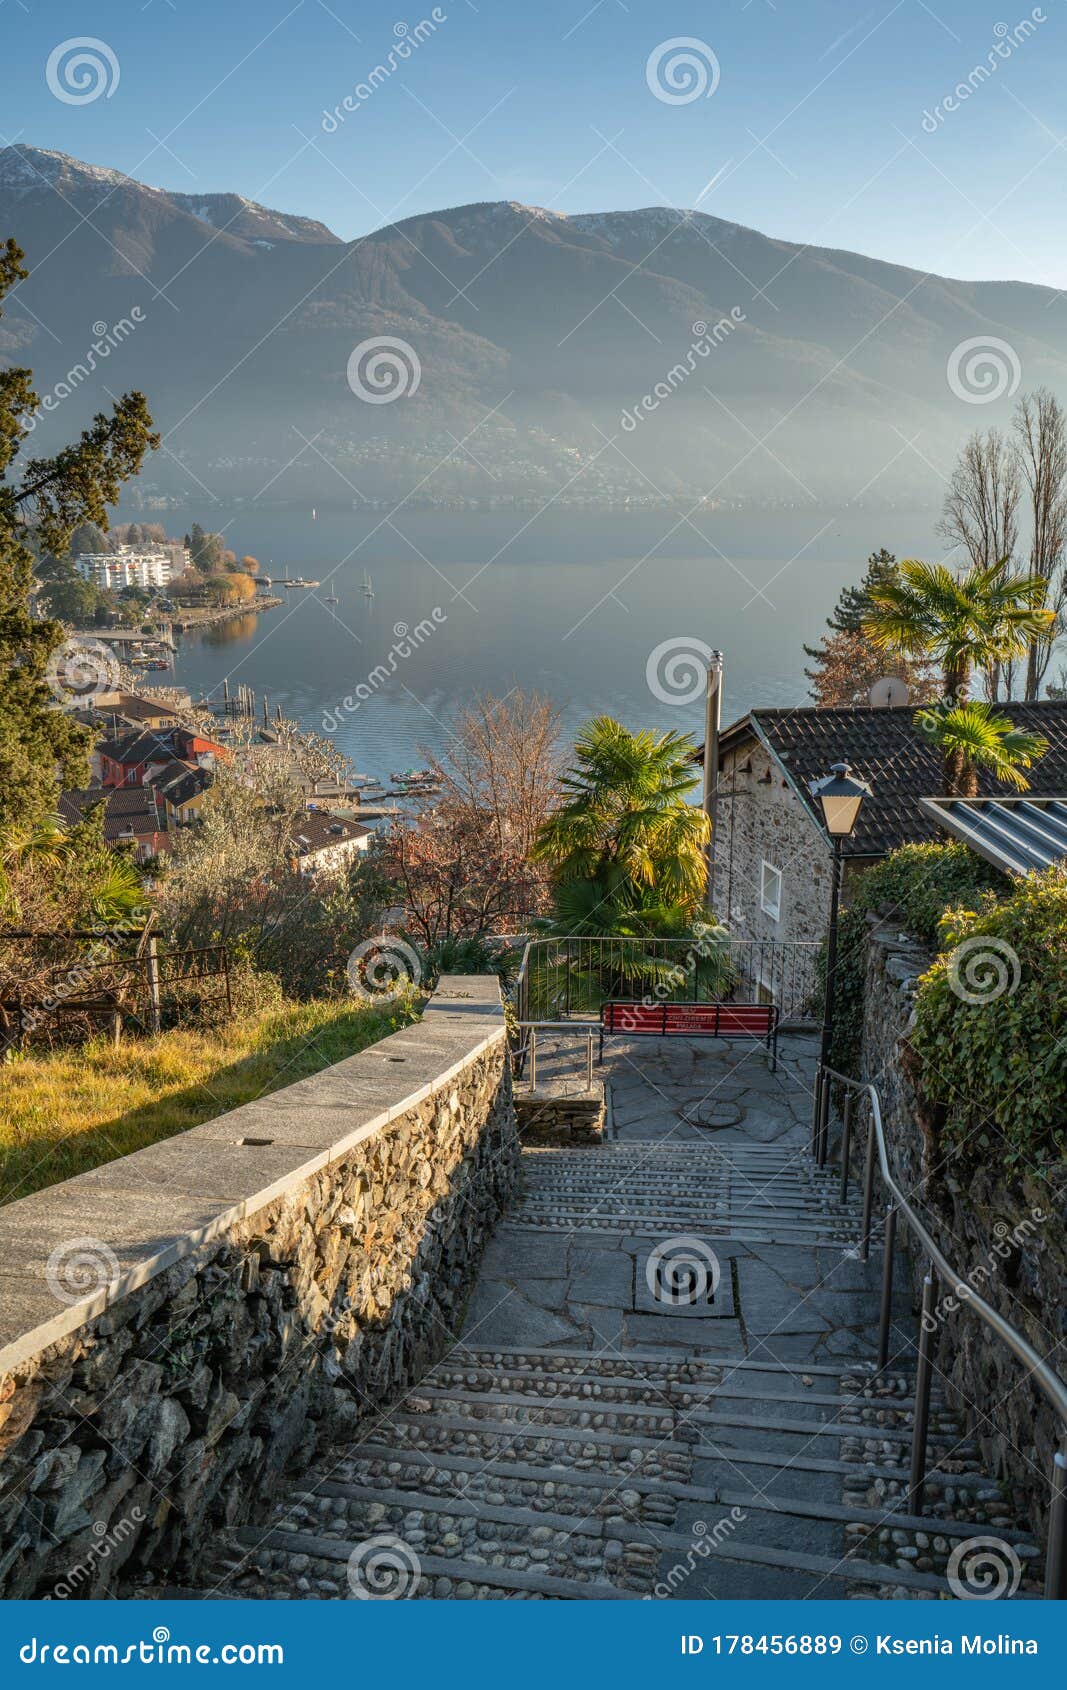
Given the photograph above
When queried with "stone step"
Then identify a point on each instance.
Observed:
(569, 1546)
(624, 1452)
(593, 1390)
(423, 1571)
(592, 1495)
(336, 1552)
(832, 1232)
(693, 1366)
(579, 1415)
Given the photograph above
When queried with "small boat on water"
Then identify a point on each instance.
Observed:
(368, 585)
(331, 598)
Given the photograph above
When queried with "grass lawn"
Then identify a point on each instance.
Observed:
(66, 1112)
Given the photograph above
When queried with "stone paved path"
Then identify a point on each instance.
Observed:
(587, 1438)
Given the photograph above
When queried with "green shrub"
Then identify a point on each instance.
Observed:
(913, 886)
(990, 1029)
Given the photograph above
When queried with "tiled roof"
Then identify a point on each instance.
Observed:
(127, 809)
(138, 747)
(885, 748)
(187, 786)
(319, 828)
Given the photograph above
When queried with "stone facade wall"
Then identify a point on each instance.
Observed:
(762, 819)
(1004, 1234)
(220, 1359)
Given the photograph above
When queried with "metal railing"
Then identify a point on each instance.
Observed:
(1045, 1377)
(560, 979)
(524, 1049)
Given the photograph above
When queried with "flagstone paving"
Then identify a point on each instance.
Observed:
(664, 1384)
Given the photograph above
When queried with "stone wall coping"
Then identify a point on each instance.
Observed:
(141, 1213)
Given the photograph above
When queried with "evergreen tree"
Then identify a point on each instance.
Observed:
(206, 550)
(39, 512)
(854, 604)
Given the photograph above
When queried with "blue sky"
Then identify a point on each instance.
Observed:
(814, 132)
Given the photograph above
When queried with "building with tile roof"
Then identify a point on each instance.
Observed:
(326, 842)
(132, 816)
(772, 859)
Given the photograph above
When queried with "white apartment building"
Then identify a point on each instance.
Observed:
(126, 568)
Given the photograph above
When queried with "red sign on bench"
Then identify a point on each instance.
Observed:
(700, 1020)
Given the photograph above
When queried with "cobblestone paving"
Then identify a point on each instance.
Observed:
(613, 1425)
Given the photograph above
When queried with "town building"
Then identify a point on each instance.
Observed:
(327, 842)
(130, 759)
(772, 866)
(132, 817)
(126, 568)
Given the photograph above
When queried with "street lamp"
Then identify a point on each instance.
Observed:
(840, 797)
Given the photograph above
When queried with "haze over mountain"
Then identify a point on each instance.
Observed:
(556, 354)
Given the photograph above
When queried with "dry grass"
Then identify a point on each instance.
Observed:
(69, 1111)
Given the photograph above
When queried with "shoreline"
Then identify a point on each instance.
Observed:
(224, 613)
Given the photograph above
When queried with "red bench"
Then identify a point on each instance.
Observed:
(693, 1020)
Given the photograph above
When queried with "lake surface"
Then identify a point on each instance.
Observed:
(568, 603)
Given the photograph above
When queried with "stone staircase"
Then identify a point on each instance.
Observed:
(616, 1473)
(544, 1474)
(751, 1193)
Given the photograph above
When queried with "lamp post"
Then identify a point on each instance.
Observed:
(840, 795)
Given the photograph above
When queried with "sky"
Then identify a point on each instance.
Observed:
(831, 122)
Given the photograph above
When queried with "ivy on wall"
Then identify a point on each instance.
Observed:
(990, 1028)
(913, 886)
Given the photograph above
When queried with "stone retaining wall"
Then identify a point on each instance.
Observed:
(184, 1326)
(1006, 1235)
(549, 1116)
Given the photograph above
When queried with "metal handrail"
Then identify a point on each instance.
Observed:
(528, 1047)
(1046, 1378)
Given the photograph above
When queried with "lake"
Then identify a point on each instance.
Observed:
(569, 603)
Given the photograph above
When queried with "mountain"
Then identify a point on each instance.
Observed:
(607, 355)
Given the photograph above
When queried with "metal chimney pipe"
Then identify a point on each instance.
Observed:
(712, 725)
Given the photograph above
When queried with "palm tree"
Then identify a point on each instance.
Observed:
(625, 825)
(973, 736)
(977, 620)
(965, 622)
(626, 853)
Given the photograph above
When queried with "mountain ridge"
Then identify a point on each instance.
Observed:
(541, 330)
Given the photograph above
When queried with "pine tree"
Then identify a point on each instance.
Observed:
(38, 514)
